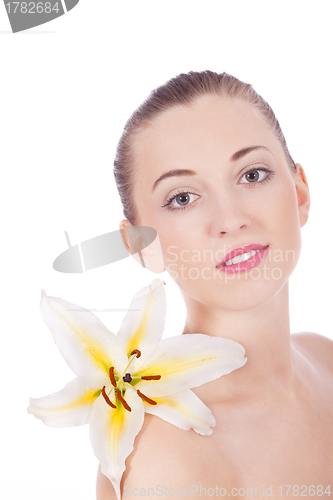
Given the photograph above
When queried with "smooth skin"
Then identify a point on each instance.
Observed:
(274, 416)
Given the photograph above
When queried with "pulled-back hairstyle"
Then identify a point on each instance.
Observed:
(182, 90)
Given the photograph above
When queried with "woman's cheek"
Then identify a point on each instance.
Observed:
(287, 230)
(182, 257)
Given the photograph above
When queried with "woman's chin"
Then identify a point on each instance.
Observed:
(239, 294)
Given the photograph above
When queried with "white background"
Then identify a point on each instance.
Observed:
(66, 90)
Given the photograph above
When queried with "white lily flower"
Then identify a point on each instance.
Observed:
(119, 378)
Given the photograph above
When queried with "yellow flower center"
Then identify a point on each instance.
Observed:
(119, 384)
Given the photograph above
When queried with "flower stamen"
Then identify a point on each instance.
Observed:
(145, 398)
(107, 399)
(151, 377)
(137, 352)
(111, 375)
(122, 400)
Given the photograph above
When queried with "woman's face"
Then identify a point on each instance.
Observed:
(213, 178)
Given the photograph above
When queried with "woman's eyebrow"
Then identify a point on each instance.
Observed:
(174, 173)
(242, 152)
(183, 171)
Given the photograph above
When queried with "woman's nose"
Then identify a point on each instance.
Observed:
(228, 216)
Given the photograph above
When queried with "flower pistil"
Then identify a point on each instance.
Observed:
(119, 384)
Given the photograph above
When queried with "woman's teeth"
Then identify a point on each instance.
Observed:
(241, 258)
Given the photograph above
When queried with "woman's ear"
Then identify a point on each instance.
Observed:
(147, 255)
(303, 195)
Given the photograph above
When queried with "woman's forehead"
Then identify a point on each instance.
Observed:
(209, 126)
(206, 112)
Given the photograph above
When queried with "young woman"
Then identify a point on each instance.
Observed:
(205, 163)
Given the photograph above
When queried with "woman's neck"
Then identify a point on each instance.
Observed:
(264, 332)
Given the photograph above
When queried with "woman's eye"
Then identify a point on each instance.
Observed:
(256, 175)
(181, 200)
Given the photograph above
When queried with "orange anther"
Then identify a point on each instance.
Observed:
(107, 399)
(145, 398)
(151, 377)
(137, 352)
(111, 375)
(122, 400)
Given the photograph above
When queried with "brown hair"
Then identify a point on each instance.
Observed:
(181, 90)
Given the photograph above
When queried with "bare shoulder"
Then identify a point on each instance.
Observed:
(165, 460)
(316, 347)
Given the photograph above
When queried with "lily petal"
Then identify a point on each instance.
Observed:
(87, 345)
(70, 406)
(188, 361)
(184, 410)
(143, 325)
(112, 434)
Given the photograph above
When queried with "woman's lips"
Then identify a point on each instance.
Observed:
(252, 254)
